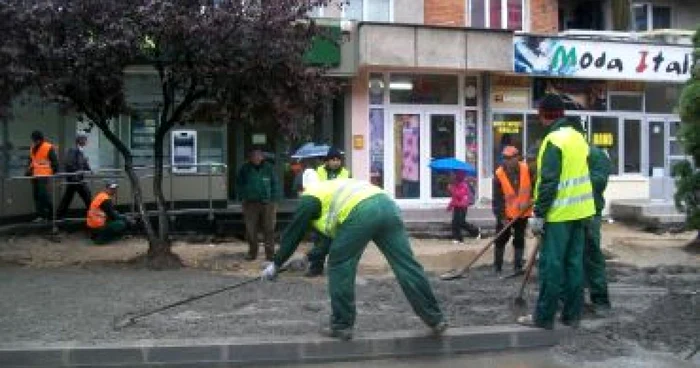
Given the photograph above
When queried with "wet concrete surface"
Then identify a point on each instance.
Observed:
(521, 359)
(656, 311)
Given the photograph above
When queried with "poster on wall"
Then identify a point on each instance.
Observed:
(376, 147)
(561, 57)
(577, 94)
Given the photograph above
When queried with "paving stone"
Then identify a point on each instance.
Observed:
(182, 354)
(101, 356)
(31, 358)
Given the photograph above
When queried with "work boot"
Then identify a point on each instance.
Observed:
(439, 328)
(252, 252)
(344, 334)
(313, 273)
(529, 321)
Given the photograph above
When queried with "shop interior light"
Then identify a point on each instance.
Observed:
(404, 86)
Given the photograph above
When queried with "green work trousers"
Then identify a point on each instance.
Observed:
(42, 197)
(377, 219)
(113, 230)
(318, 253)
(594, 265)
(561, 272)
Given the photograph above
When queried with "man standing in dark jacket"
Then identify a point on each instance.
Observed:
(259, 190)
(76, 162)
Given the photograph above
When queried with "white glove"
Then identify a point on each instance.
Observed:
(536, 225)
(270, 272)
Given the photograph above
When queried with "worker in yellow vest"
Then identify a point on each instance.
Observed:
(103, 221)
(563, 207)
(43, 163)
(330, 170)
(512, 191)
(353, 213)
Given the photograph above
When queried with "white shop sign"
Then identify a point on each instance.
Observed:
(560, 57)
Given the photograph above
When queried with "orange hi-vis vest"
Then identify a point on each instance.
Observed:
(40, 163)
(96, 218)
(516, 203)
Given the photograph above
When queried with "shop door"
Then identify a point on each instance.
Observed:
(657, 159)
(418, 137)
(675, 155)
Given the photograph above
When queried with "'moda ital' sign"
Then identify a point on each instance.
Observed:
(552, 56)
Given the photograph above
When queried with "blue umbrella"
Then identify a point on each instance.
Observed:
(451, 164)
(311, 150)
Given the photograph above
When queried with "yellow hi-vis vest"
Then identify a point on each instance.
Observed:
(574, 200)
(323, 173)
(338, 197)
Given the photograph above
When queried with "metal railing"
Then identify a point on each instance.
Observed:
(89, 177)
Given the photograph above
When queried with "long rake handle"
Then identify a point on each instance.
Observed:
(529, 267)
(493, 241)
(191, 299)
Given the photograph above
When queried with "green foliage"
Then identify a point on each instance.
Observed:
(687, 197)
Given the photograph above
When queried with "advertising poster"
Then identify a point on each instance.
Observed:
(563, 57)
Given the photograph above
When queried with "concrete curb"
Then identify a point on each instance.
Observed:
(293, 350)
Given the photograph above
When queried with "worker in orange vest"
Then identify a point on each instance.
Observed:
(43, 163)
(103, 221)
(512, 194)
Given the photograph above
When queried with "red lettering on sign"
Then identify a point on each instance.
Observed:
(642, 66)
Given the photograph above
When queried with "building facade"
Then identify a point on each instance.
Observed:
(428, 79)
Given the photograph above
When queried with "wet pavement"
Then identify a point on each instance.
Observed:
(522, 359)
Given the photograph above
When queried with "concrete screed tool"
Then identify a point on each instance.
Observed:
(131, 318)
(459, 273)
(519, 303)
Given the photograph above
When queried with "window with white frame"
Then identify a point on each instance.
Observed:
(359, 10)
(648, 17)
(505, 14)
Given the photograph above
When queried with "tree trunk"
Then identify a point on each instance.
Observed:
(163, 221)
(159, 254)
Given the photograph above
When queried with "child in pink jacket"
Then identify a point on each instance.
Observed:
(459, 203)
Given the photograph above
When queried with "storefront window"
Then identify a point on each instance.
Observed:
(376, 89)
(424, 89)
(376, 148)
(662, 98)
(604, 134)
(142, 136)
(507, 131)
(578, 94)
(407, 155)
(471, 92)
(626, 102)
(535, 133)
(442, 145)
(633, 149)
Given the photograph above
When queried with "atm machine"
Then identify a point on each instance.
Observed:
(183, 151)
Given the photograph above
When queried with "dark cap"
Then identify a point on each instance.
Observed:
(552, 102)
(333, 152)
(37, 135)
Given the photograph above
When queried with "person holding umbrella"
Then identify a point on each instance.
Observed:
(459, 204)
(461, 195)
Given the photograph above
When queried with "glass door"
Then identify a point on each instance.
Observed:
(657, 159)
(407, 168)
(675, 154)
(416, 138)
(442, 145)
